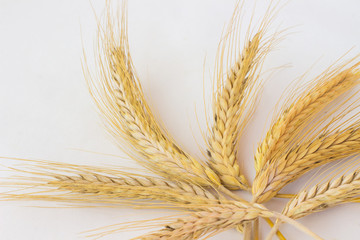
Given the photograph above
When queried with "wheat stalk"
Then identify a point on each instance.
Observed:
(295, 118)
(327, 148)
(120, 99)
(321, 196)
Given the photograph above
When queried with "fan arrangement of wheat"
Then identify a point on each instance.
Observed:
(316, 125)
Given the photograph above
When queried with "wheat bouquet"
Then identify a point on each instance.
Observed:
(316, 125)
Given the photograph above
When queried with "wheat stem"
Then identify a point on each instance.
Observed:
(274, 230)
(278, 233)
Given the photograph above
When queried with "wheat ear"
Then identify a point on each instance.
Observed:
(214, 219)
(292, 120)
(134, 188)
(232, 100)
(331, 193)
(330, 147)
(119, 191)
(344, 189)
(79, 183)
(117, 93)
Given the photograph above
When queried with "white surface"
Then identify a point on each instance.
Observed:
(46, 110)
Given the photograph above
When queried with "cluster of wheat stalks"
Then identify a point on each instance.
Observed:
(318, 124)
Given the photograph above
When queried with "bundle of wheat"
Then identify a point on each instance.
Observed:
(301, 137)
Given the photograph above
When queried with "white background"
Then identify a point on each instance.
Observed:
(46, 111)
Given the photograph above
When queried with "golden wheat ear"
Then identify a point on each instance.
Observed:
(206, 223)
(300, 110)
(119, 97)
(286, 157)
(343, 189)
(50, 181)
(237, 87)
(329, 193)
(217, 218)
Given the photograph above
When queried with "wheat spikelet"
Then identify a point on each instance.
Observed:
(331, 193)
(294, 119)
(119, 97)
(232, 98)
(327, 148)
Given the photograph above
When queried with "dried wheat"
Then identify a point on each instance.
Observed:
(229, 107)
(118, 95)
(327, 148)
(234, 97)
(68, 182)
(215, 219)
(295, 118)
(331, 193)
